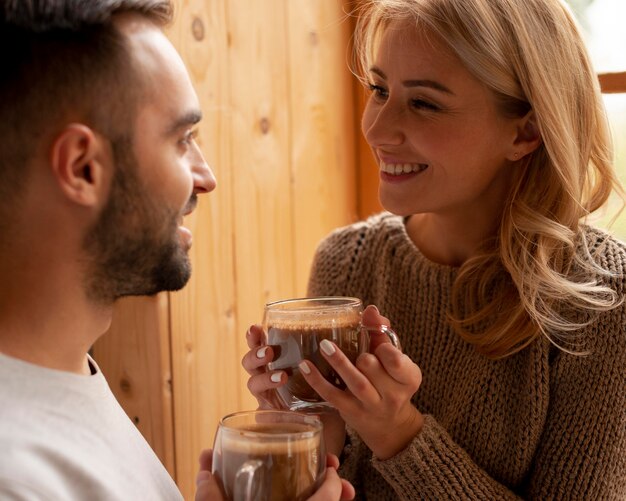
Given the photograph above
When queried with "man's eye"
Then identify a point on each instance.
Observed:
(189, 137)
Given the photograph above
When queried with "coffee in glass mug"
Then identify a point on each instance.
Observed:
(269, 456)
(295, 328)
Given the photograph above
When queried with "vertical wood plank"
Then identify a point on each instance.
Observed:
(263, 204)
(260, 138)
(205, 356)
(322, 126)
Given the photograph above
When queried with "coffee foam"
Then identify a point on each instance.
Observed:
(241, 441)
(312, 321)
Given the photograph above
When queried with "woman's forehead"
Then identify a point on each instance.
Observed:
(413, 45)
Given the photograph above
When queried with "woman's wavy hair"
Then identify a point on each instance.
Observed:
(531, 55)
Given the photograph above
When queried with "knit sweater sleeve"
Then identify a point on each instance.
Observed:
(433, 466)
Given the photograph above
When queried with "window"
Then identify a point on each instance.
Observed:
(605, 31)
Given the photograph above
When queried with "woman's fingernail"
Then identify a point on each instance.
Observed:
(304, 367)
(327, 347)
(261, 352)
(376, 308)
(276, 377)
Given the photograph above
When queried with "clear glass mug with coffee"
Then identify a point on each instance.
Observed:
(269, 455)
(295, 328)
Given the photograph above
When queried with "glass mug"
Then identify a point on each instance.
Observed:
(269, 455)
(295, 327)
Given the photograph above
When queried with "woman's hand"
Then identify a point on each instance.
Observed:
(262, 382)
(263, 387)
(377, 402)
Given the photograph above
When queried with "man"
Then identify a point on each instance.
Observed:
(98, 166)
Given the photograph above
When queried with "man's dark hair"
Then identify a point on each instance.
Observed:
(63, 59)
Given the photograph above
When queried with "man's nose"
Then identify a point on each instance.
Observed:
(203, 177)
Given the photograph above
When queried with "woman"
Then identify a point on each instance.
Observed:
(486, 120)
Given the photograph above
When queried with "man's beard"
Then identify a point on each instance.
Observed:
(134, 248)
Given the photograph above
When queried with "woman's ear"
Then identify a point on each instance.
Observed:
(527, 139)
(76, 164)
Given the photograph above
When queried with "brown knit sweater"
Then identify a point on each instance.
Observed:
(540, 424)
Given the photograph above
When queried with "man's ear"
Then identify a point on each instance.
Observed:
(527, 139)
(76, 163)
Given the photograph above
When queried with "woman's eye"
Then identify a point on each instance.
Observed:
(420, 104)
(378, 91)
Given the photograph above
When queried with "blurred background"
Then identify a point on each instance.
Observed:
(603, 22)
(281, 132)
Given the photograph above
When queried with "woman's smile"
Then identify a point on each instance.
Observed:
(397, 172)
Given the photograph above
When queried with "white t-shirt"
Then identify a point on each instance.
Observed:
(64, 436)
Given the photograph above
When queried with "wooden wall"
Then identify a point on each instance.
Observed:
(279, 132)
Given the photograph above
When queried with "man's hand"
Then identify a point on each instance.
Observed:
(207, 486)
(333, 488)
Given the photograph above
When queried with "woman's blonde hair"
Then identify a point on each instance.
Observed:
(531, 55)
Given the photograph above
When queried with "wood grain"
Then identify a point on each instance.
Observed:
(206, 378)
(321, 105)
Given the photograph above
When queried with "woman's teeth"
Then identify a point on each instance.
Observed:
(397, 169)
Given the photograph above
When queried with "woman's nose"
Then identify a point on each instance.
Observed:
(382, 126)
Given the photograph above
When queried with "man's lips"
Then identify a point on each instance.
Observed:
(185, 236)
(184, 232)
(190, 206)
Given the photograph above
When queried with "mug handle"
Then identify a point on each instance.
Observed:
(388, 331)
(250, 482)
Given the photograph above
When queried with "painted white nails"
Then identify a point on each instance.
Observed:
(304, 367)
(261, 352)
(327, 347)
(276, 377)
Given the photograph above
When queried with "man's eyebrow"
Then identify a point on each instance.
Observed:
(191, 117)
(432, 84)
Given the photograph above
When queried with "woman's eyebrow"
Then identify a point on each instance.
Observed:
(432, 84)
